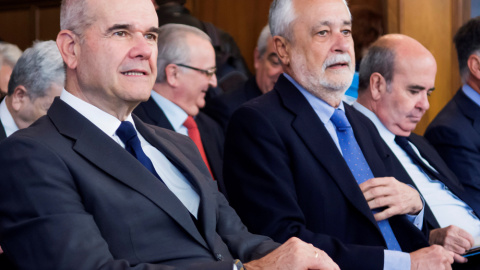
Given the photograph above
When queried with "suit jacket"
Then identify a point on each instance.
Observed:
(286, 177)
(212, 135)
(222, 107)
(72, 198)
(446, 176)
(455, 133)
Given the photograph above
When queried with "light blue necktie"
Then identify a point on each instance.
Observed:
(359, 167)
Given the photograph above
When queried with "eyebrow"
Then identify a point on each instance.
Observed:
(418, 87)
(329, 23)
(130, 27)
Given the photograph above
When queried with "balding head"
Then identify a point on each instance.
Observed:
(396, 76)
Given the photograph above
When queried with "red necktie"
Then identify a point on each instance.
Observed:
(194, 134)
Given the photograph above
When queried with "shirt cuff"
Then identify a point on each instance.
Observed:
(417, 219)
(396, 260)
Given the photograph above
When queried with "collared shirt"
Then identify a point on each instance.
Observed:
(471, 93)
(7, 119)
(170, 175)
(175, 115)
(394, 260)
(447, 208)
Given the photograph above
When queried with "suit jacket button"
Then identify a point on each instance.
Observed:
(219, 257)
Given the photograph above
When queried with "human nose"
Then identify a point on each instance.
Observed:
(342, 43)
(213, 80)
(423, 102)
(142, 48)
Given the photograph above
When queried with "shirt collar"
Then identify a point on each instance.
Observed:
(103, 120)
(321, 108)
(175, 115)
(7, 120)
(472, 94)
(386, 134)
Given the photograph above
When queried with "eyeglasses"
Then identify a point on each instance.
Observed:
(208, 72)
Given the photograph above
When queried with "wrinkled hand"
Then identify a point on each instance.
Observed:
(397, 197)
(431, 258)
(294, 255)
(454, 239)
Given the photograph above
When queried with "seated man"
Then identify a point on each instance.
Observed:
(37, 78)
(186, 69)
(267, 69)
(294, 166)
(396, 77)
(89, 186)
(455, 132)
(9, 55)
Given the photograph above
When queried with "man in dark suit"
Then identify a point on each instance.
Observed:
(179, 91)
(396, 77)
(71, 195)
(284, 170)
(36, 79)
(267, 69)
(455, 131)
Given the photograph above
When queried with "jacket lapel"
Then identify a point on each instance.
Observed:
(469, 108)
(315, 136)
(206, 213)
(94, 145)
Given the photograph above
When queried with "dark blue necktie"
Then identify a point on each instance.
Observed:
(403, 143)
(127, 133)
(359, 167)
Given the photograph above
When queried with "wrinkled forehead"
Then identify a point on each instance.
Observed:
(138, 13)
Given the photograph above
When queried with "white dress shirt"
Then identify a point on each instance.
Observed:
(7, 119)
(447, 208)
(171, 176)
(175, 115)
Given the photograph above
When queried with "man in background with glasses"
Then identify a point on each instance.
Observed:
(186, 69)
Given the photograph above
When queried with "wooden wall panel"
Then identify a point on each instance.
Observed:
(49, 20)
(16, 27)
(242, 19)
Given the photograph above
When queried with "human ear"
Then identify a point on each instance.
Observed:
(378, 85)
(282, 46)
(68, 44)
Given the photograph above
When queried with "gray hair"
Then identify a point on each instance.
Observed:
(37, 69)
(378, 59)
(172, 46)
(75, 16)
(9, 54)
(263, 40)
(281, 17)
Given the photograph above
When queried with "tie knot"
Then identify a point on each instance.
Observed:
(339, 119)
(190, 123)
(401, 141)
(126, 132)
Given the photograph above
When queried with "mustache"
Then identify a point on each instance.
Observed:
(335, 59)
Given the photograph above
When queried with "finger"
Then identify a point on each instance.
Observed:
(467, 237)
(459, 258)
(371, 183)
(384, 202)
(385, 214)
(376, 192)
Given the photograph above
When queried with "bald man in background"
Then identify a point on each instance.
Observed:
(397, 75)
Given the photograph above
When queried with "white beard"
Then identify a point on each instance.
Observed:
(317, 83)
